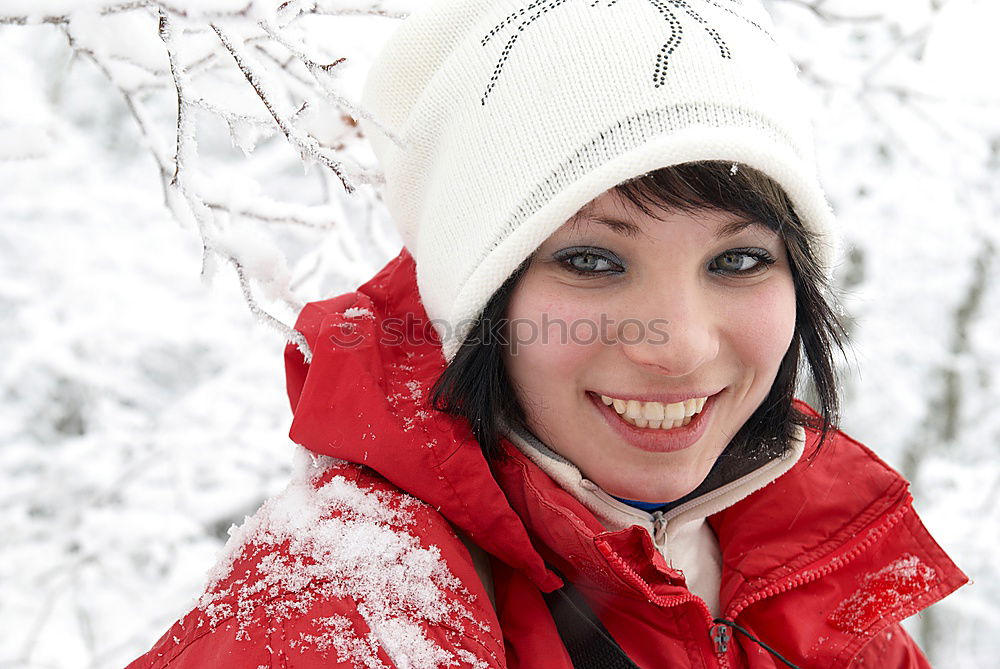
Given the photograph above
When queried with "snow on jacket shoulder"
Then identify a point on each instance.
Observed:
(339, 570)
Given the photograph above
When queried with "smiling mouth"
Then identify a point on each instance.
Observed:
(656, 415)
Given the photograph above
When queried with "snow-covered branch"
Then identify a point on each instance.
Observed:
(252, 67)
(817, 7)
(309, 148)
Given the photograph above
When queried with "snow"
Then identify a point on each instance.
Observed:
(258, 256)
(339, 541)
(25, 142)
(358, 312)
(127, 35)
(891, 588)
(62, 7)
(48, 7)
(954, 49)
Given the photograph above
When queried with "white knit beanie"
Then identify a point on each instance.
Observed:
(513, 115)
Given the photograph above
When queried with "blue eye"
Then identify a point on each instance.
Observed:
(738, 262)
(588, 261)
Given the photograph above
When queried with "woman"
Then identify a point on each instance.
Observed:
(558, 429)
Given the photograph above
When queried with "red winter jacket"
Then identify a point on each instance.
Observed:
(360, 563)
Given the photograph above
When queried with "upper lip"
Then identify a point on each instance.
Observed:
(663, 398)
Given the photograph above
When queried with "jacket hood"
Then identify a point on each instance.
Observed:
(363, 398)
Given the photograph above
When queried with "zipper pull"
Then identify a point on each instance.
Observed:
(659, 527)
(720, 636)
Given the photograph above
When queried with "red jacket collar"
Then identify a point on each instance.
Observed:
(824, 507)
(362, 398)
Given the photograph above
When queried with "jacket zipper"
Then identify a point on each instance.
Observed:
(720, 635)
(659, 529)
(719, 638)
(831, 566)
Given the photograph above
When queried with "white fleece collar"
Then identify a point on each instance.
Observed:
(616, 515)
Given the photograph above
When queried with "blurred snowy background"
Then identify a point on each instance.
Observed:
(144, 308)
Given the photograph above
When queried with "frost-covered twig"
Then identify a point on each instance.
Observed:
(184, 137)
(327, 8)
(283, 215)
(32, 20)
(119, 7)
(230, 116)
(308, 146)
(285, 64)
(320, 72)
(816, 7)
(290, 334)
(33, 635)
(138, 112)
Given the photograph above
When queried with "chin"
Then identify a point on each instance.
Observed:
(653, 491)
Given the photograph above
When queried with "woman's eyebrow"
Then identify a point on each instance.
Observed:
(634, 231)
(624, 228)
(735, 227)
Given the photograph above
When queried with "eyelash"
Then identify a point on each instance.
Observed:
(762, 256)
(566, 255)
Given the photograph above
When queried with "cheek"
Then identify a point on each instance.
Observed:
(766, 324)
(551, 336)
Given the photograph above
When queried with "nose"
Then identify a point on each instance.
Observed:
(681, 331)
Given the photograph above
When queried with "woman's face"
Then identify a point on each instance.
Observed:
(655, 315)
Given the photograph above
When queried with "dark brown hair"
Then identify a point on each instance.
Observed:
(475, 384)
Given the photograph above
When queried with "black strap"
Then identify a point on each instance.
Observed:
(588, 642)
(744, 632)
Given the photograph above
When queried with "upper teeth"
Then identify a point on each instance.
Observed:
(656, 414)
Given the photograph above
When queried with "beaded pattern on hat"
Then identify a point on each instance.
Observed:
(662, 57)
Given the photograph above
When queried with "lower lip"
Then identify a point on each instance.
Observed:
(657, 440)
